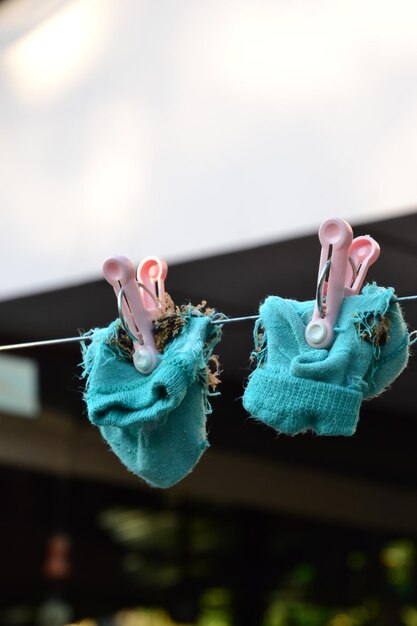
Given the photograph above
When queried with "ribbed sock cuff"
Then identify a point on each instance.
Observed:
(293, 405)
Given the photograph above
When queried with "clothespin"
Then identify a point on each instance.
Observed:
(344, 262)
(363, 253)
(152, 273)
(120, 273)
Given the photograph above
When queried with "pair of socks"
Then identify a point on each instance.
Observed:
(296, 388)
(155, 423)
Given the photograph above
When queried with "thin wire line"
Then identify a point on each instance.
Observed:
(405, 298)
(45, 342)
(228, 320)
(88, 337)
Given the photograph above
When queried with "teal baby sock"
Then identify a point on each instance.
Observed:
(154, 423)
(297, 388)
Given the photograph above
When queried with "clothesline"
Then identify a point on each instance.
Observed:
(87, 336)
(151, 401)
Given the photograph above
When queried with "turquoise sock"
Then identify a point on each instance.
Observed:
(297, 388)
(155, 423)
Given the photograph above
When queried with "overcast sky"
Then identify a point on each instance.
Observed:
(187, 128)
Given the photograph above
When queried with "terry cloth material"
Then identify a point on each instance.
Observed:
(155, 423)
(297, 388)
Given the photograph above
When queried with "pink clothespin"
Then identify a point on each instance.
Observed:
(344, 262)
(120, 273)
(363, 253)
(152, 273)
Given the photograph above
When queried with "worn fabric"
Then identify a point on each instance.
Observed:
(155, 423)
(296, 388)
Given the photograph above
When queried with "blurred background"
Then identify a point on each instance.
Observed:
(219, 135)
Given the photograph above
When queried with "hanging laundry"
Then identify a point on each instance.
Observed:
(317, 360)
(149, 375)
(154, 420)
(297, 388)
(155, 423)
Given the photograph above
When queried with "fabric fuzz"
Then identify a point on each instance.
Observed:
(155, 423)
(296, 388)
